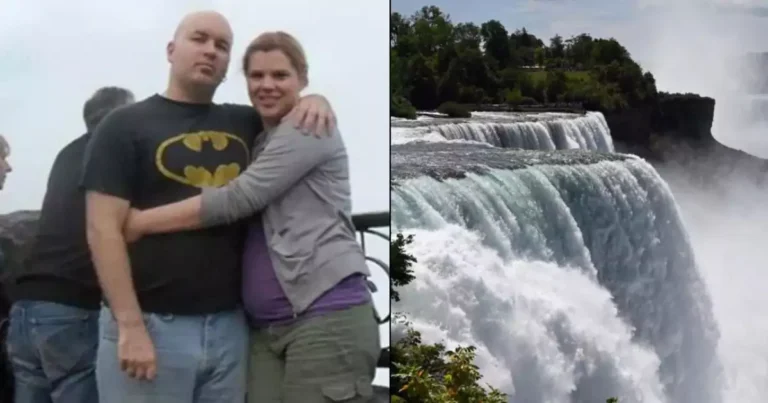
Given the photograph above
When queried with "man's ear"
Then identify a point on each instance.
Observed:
(169, 50)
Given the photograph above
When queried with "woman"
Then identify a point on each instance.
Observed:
(314, 337)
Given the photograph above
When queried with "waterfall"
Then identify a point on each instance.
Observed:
(570, 270)
(550, 132)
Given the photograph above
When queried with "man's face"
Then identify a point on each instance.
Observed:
(5, 166)
(200, 52)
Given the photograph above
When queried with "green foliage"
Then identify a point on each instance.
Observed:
(401, 262)
(435, 61)
(454, 110)
(401, 108)
(429, 373)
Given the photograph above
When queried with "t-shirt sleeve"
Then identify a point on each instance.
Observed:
(110, 161)
(249, 117)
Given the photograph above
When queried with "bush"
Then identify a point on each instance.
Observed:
(399, 107)
(454, 110)
(430, 374)
(513, 97)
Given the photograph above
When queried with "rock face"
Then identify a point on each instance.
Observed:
(681, 116)
(16, 231)
(678, 129)
(689, 116)
(17, 228)
(631, 126)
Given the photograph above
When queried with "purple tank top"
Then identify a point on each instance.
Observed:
(263, 296)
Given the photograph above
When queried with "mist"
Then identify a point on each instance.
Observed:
(699, 47)
(695, 48)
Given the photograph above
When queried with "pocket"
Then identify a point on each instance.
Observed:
(69, 319)
(51, 313)
(360, 390)
(66, 343)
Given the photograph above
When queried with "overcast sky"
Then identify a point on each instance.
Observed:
(56, 54)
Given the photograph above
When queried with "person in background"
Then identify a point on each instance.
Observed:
(314, 335)
(6, 375)
(53, 334)
(5, 166)
(173, 329)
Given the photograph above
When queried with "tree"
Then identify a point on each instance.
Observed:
(434, 61)
(401, 262)
(557, 47)
(496, 41)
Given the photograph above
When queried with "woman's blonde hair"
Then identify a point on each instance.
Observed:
(284, 42)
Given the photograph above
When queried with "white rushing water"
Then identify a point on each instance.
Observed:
(575, 282)
(552, 132)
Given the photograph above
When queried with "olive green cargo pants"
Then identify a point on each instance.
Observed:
(321, 359)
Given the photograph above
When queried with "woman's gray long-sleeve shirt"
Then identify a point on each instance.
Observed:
(301, 186)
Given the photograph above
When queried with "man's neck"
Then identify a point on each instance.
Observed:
(178, 94)
(269, 124)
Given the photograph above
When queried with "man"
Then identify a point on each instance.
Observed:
(6, 376)
(173, 330)
(56, 298)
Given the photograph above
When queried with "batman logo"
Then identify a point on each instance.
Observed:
(202, 159)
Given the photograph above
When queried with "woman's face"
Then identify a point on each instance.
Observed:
(273, 84)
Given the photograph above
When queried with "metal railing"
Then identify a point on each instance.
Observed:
(365, 224)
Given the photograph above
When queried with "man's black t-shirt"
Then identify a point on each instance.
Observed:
(58, 265)
(159, 151)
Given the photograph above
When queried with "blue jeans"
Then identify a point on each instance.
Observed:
(52, 350)
(200, 359)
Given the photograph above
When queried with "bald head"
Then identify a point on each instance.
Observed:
(197, 18)
(199, 55)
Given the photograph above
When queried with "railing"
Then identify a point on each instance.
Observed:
(364, 224)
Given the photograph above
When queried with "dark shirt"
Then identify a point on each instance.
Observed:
(159, 151)
(58, 265)
(5, 303)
